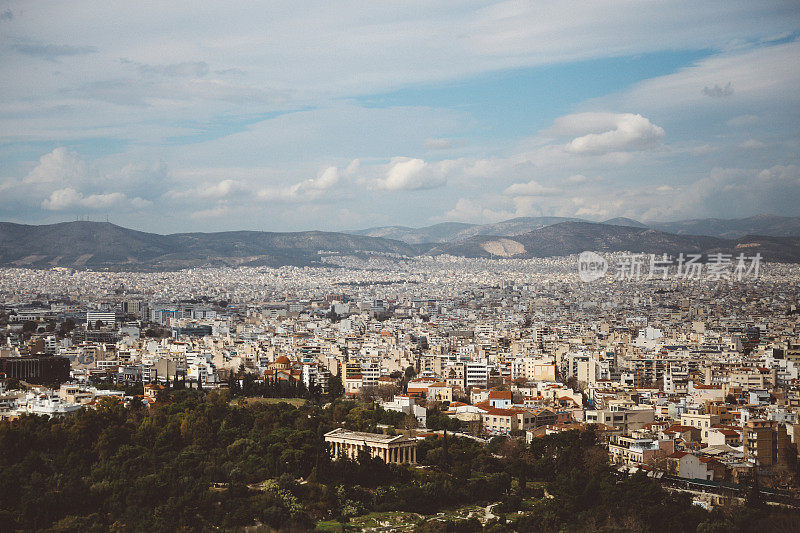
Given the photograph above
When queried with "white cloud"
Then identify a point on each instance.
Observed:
(214, 191)
(723, 192)
(609, 132)
(327, 179)
(62, 199)
(58, 166)
(214, 212)
(278, 94)
(703, 149)
(226, 56)
(408, 174)
(63, 181)
(760, 75)
(469, 210)
(68, 198)
(304, 191)
(352, 167)
(532, 188)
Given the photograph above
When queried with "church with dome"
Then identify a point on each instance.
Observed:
(282, 369)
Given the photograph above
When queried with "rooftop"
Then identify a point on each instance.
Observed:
(362, 436)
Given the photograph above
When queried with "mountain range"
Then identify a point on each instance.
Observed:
(568, 238)
(104, 245)
(100, 245)
(768, 225)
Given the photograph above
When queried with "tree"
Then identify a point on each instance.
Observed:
(333, 316)
(386, 391)
(367, 394)
(658, 461)
(409, 423)
(66, 327)
(335, 387)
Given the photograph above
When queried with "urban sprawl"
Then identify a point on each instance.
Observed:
(693, 379)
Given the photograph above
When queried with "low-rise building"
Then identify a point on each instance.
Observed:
(390, 448)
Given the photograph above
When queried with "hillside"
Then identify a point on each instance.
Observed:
(768, 225)
(574, 237)
(98, 244)
(444, 232)
(103, 245)
(457, 231)
(771, 225)
(623, 221)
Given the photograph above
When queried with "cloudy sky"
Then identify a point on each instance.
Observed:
(204, 116)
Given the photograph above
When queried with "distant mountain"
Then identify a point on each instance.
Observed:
(514, 226)
(768, 225)
(574, 237)
(443, 232)
(457, 231)
(98, 244)
(771, 225)
(622, 221)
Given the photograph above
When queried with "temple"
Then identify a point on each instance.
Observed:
(390, 448)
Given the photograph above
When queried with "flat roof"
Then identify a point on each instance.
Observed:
(362, 436)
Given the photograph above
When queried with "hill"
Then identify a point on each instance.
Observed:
(767, 225)
(569, 238)
(623, 221)
(444, 232)
(457, 231)
(103, 245)
(772, 225)
(100, 244)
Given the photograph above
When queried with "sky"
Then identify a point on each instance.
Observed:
(286, 116)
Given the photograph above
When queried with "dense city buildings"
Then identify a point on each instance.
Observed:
(681, 379)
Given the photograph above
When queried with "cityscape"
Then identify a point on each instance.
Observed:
(690, 382)
(400, 267)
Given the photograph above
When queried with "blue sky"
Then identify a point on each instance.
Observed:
(202, 116)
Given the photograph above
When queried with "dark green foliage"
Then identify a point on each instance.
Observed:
(194, 462)
(152, 470)
(438, 421)
(470, 525)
